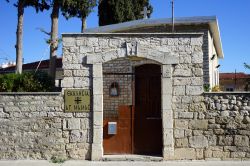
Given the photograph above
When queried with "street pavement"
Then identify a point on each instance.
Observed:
(122, 163)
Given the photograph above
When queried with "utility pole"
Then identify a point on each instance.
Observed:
(235, 80)
(172, 16)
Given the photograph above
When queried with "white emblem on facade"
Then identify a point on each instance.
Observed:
(132, 48)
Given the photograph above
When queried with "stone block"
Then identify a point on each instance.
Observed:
(181, 124)
(178, 133)
(68, 82)
(74, 136)
(199, 154)
(179, 90)
(186, 115)
(212, 140)
(166, 86)
(181, 81)
(240, 140)
(198, 124)
(97, 70)
(98, 118)
(182, 72)
(181, 143)
(97, 135)
(168, 139)
(238, 154)
(225, 140)
(196, 81)
(97, 103)
(96, 152)
(92, 41)
(81, 82)
(196, 41)
(186, 59)
(86, 49)
(98, 85)
(166, 71)
(185, 154)
(194, 90)
(73, 124)
(198, 142)
(197, 57)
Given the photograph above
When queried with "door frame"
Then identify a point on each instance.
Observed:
(166, 62)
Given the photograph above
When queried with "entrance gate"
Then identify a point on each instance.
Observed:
(132, 102)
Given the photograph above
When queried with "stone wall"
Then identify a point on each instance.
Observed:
(34, 126)
(214, 127)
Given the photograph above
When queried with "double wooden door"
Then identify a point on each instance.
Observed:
(139, 127)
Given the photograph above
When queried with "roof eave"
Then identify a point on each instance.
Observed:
(215, 30)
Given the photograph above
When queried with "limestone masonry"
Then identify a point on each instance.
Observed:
(34, 126)
(195, 125)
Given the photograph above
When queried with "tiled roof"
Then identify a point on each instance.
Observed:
(233, 75)
(32, 66)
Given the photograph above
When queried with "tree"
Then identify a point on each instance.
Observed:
(247, 66)
(116, 11)
(39, 5)
(78, 8)
(247, 88)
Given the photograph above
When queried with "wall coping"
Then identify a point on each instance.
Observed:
(128, 34)
(227, 93)
(30, 93)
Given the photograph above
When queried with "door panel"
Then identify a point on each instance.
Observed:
(120, 143)
(148, 123)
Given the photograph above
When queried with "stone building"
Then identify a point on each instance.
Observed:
(140, 91)
(234, 81)
(138, 73)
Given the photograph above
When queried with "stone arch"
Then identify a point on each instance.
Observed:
(166, 60)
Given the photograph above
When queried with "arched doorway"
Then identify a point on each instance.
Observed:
(132, 101)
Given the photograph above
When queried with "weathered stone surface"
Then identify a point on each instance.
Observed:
(225, 140)
(181, 124)
(194, 90)
(240, 140)
(185, 154)
(183, 143)
(198, 142)
(38, 123)
(186, 115)
(178, 133)
(198, 124)
(238, 154)
(73, 124)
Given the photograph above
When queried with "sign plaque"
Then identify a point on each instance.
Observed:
(77, 100)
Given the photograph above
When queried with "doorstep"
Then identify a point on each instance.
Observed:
(132, 158)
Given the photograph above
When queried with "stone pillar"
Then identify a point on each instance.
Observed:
(97, 148)
(167, 112)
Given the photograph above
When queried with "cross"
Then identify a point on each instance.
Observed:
(78, 100)
(145, 12)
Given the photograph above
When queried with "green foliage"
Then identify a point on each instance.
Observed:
(246, 65)
(39, 5)
(206, 87)
(58, 160)
(77, 8)
(26, 82)
(116, 11)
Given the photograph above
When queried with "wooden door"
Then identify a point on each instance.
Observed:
(121, 142)
(147, 122)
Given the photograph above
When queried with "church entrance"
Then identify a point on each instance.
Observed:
(132, 108)
(148, 122)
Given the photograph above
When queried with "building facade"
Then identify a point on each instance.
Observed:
(137, 72)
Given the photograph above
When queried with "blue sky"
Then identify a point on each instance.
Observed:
(233, 16)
